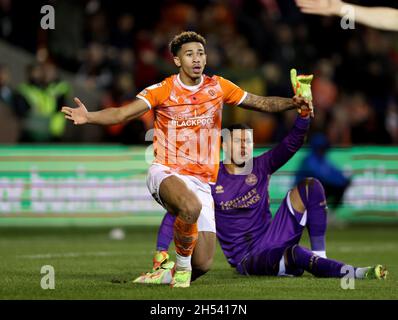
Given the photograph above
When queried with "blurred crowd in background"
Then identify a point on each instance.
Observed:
(119, 48)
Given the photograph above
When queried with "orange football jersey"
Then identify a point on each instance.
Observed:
(187, 123)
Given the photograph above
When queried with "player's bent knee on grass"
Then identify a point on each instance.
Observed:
(199, 268)
(304, 191)
(179, 200)
(202, 258)
(202, 263)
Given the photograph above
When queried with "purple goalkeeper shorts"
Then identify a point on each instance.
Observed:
(284, 231)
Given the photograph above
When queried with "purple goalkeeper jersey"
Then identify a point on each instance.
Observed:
(241, 202)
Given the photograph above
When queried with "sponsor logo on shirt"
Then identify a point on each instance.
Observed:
(189, 121)
(219, 189)
(154, 86)
(248, 200)
(192, 122)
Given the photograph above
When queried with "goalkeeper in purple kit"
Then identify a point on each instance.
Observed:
(252, 241)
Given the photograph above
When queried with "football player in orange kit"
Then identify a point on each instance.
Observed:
(187, 126)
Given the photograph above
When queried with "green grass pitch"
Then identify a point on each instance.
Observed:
(86, 262)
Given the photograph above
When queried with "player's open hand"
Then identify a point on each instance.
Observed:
(302, 89)
(322, 7)
(77, 115)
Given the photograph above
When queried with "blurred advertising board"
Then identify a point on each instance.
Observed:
(105, 181)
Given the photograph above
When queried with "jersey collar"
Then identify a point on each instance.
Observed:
(190, 88)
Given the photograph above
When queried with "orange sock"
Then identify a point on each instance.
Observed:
(185, 237)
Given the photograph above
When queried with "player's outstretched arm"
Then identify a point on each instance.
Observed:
(108, 116)
(273, 104)
(376, 17)
(321, 7)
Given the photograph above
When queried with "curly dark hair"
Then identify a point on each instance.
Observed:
(185, 37)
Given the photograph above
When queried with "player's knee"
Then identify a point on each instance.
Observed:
(189, 210)
(314, 182)
(203, 265)
(315, 189)
(309, 190)
(199, 270)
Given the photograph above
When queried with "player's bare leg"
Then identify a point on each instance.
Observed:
(182, 202)
(202, 257)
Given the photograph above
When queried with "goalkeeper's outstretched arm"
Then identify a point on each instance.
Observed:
(376, 17)
(108, 116)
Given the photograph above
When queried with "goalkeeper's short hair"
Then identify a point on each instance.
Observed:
(236, 126)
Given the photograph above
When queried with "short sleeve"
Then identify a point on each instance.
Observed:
(154, 95)
(232, 94)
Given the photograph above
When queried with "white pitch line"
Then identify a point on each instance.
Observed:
(71, 255)
(367, 248)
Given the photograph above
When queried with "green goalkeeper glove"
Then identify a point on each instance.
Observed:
(302, 88)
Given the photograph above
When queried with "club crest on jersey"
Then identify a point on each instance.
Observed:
(219, 189)
(251, 179)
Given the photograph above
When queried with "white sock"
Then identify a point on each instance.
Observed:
(183, 263)
(360, 272)
(322, 254)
